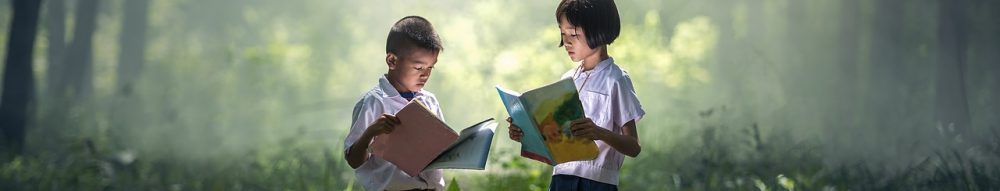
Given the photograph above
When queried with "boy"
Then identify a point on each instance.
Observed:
(411, 52)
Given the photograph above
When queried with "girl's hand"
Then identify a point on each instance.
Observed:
(584, 127)
(514, 131)
(383, 125)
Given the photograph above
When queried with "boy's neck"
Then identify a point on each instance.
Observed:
(396, 84)
(590, 62)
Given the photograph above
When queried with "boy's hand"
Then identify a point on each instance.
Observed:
(384, 125)
(584, 127)
(514, 131)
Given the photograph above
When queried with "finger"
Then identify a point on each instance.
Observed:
(379, 125)
(383, 125)
(386, 124)
(580, 132)
(392, 118)
(381, 118)
(389, 128)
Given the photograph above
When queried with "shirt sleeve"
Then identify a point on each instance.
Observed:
(626, 105)
(433, 103)
(366, 111)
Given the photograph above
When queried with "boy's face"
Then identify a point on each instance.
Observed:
(574, 40)
(411, 71)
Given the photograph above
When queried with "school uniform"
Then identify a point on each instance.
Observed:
(376, 173)
(609, 100)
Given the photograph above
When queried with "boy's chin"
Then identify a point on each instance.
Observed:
(417, 88)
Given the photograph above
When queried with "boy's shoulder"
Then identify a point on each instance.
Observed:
(373, 94)
(428, 93)
(429, 98)
(370, 100)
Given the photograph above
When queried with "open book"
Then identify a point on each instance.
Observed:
(423, 142)
(544, 115)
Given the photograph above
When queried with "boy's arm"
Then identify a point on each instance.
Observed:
(357, 154)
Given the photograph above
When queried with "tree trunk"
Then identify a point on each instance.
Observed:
(130, 63)
(133, 44)
(18, 81)
(78, 59)
(951, 103)
(56, 31)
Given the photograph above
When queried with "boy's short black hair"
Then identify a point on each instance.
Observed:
(412, 31)
(598, 18)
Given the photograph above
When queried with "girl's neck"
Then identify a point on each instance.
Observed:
(590, 62)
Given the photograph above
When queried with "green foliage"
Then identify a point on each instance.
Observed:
(452, 185)
(257, 95)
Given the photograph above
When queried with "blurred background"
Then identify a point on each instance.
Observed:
(739, 94)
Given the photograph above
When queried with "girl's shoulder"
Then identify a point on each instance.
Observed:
(616, 75)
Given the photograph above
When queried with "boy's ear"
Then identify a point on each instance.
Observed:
(390, 60)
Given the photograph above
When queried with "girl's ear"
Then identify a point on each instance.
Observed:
(390, 60)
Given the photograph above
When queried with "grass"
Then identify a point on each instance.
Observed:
(727, 157)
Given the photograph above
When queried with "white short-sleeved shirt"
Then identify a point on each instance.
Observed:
(376, 173)
(610, 101)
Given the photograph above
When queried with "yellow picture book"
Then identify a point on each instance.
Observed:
(544, 115)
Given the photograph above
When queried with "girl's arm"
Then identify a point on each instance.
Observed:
(626, 143)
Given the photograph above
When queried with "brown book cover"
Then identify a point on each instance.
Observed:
(418, 140)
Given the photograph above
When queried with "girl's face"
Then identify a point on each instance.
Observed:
(575, 41)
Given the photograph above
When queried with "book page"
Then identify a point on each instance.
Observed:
(470, 151)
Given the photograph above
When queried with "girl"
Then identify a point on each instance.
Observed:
(609, 100)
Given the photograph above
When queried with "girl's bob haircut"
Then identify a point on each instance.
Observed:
(598, 18)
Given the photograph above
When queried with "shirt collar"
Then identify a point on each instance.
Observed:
(389, 91)
(602, 65)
